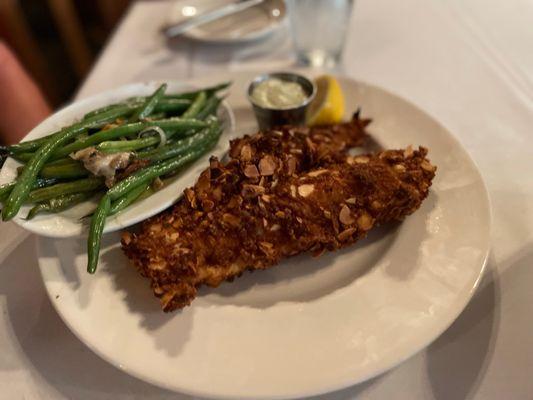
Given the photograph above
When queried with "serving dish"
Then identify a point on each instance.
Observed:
(307, 326)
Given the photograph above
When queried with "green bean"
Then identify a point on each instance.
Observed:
(210, 134)
(93, 122)
(62, 161)
(64, 171)
(148, 174)
(171, 125)
(81, 185)
(22, 188)
(113, 133)
(146, 108)
(124, 201)
(164, 105)
(106, 108)
(196, 106)
(28, 146)
(95, 233)
(156, 116)
(25, 157)
(6, 188)
(21, 157)
(150, 191)
(192, 95)
(210, 107)
(59, 203)
(172, 105)
(116, 146)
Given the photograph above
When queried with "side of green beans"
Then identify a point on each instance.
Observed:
(124, 201)
(196, 106)
(96, 230)
(59, 189)
(59, 203)
(146, 108)
(64, 171)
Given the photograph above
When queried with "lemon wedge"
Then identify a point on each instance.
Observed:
(328, 104)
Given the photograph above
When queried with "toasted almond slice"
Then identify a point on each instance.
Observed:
(318, 172)
(427, 166)
(399, 168)
(267, 166)
(246, 153)
(305, 190)
(365, 221)
(361, 159)
(345, 216)
(250, 171)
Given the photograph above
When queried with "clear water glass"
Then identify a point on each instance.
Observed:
(319, 30)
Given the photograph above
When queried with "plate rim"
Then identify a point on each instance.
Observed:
(438, 329)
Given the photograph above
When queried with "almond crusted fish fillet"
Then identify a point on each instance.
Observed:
(239, 218)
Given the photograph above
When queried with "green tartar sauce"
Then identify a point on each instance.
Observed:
(278, 94)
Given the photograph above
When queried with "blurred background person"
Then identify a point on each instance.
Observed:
(46, 50)
(23, 104)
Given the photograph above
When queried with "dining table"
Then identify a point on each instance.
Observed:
(468, 63)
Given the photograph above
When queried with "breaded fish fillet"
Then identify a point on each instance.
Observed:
(270, 202)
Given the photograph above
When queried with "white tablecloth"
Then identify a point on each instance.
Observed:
(469, 63)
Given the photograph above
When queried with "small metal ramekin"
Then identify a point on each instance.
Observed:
(271, 117)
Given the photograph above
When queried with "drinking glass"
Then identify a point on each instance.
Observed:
(319, 29)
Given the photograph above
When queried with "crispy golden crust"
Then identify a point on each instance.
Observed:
(252, 212)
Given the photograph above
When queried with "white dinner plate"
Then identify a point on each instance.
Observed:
(309, 325)
(68, 223)
(248, 25)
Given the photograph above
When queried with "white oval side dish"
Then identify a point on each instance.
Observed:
(68, 223)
